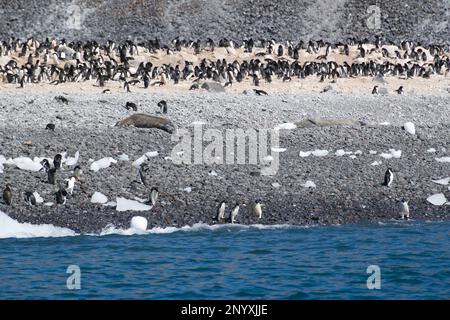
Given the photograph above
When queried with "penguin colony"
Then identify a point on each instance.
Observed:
(59, 61)
(56, 62)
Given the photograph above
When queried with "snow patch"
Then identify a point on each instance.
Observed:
(437, 199)
(102, 164)
(130, 205)
(410, 127)
(98, 197)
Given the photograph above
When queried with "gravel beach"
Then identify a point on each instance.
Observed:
(346, 187)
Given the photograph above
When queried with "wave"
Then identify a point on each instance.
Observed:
(10, 228)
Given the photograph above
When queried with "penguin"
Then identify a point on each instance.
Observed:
(77, 172)
(107, 91)
(153, 195)
(126, 87)
(61, 196)
(62, 99)
(194, 86)
(221, 211)
(400, 90)
(51, 175)
(50, 126)
(162, 106)
(404, 209)
(258, 209)
(57, 161)
(30, 198)
(260, 92)
(141, 172)
(131, 105)
(70, 184)
(234, 213)
(45, 165)
(375, 90)
(388, 177)
(7, 195)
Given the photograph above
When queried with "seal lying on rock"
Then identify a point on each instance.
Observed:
(141, 120)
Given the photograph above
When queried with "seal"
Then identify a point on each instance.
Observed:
(141, 120)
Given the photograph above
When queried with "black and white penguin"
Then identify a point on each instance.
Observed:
(141, 173)
(7, 195)
(57, 161)
(45, 165)
(77, 172)
(61, 196)
(260, 92)
(404, 209)
(70, 184)
(234, 213)
(30, 198)
(221, 212)
(131, 105)
(162, 106)
(388, 177)
(153, 195)
(400, 90)
(375, 90)
(258, 209)
(126, 87)
(50, 126)
(51, 175)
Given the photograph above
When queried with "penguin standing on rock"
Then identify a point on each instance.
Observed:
(57, 161)
(61, 196)
(388, 177)
(7, 195)
(234, 213)
(30, 198)
(221, 212)
(404, 209)
(153, 195)
(375, 90)
(400, 90)
(162, 106)
(45, 165)
(258, 209)
(51, 176)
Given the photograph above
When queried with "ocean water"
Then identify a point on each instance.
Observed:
(227, 262)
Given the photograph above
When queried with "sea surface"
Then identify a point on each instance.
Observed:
(227, 262)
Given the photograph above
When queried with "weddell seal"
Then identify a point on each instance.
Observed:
(141, 120)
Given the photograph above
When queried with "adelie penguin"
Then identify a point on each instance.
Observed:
(50, 126)
(404, 209)
(388, 177)
(57, 161)
(7, 195)
(400, 90)
(30, 198)
(221, 212)
(131, 105)
(153, 196)
(61, 196)
(260, 92)
(51, 176)
(45, 165)
(375, 90)
(70, 185)
(77, 172)
(162, 106)
(234, 213)
(258, 209)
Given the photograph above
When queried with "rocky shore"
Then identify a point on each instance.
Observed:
(342, 185)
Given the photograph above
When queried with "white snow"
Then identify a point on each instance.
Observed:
(198, 123)
(139, 223)
(305, 154)
(376, 163)
(48, 204)
(212, 173)
(431, 150)
(124, 157)
(443, 159)
(352, 156)
(71, 161)
(410, 128)
(268, 158)
(151, 154)
(10, 228)
(130, 205)
(373, 152)
(340, 153)
(309, 184)
(25, 163)
(286, 126)
(443, 182)
(110, 204)
(278, 149)
(38, 198)
(392, 154)
(320, 153)
(137, 163)
(358, 152)
(102, 163)
(98, 197)
(437, 199)
(384, 123)
(276, 185)
(188, 189)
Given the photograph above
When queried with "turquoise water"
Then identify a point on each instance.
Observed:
(234, 263)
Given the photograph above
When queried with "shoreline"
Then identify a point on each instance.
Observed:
(348, 187)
